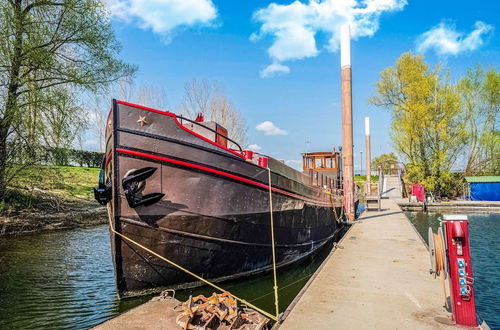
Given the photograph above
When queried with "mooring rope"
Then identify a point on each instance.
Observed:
(283, 287)
(440, 260)
(334, 211)
(273, 243)
(243, 301)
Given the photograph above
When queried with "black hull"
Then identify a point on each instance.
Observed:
(214, 260)
(214, 217)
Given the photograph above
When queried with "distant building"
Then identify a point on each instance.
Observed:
(484, 188)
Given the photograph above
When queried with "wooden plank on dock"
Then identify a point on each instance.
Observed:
(378, 280)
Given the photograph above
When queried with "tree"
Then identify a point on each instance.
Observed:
(98, 104)
(44, 44)
(62, 124)
(152, 96)
(385, 160)
(428, 128)
(209, 99)
(480, 100)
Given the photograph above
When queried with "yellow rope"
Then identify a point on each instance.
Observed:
(440, 260)
(184, 269)
(337, 218)
(272, 242)
(334, 211)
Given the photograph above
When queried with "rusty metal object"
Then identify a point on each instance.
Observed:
(219, 311)
(347, 142)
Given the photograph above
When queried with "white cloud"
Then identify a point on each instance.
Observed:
(163, 16)
(270, 129)
(273, 70)
(445, 40)
(294, 26)
(254, 147)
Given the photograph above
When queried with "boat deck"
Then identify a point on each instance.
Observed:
(378, 280)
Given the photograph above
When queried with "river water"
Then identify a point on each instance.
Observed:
(484, 232)
(65, 280)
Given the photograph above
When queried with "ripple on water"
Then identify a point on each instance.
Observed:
(65, 280)
(59, 280)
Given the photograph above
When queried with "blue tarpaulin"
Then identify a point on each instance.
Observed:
(485, 191)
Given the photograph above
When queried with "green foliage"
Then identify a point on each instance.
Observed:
(360, 179)
(86, 158)
(436, 123)
(428, 128)
(70, 157)
(480, 97)
(385, 160)
(50, 51)
(51, 188)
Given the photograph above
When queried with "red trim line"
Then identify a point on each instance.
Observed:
(174, 116)
(133, 105)
(108, 159)
(211, 170)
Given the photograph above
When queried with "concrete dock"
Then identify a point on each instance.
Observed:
(156, 314)
(378, 279)
(451, 206)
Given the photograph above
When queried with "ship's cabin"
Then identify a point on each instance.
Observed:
(322, 168)
(320, 161)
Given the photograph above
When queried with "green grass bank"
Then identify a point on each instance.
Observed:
(51, 197)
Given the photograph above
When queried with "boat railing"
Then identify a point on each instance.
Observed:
(320, 180)
(211, 130)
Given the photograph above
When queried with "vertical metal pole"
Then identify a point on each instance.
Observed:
(361, 162)
(275, 287)
(347, 144)
(368, 153)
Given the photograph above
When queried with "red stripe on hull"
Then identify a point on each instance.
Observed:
(108, 159)
(210, 170)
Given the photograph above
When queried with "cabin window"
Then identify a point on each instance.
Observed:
(309, 162)
(330, 163)
(319, 163)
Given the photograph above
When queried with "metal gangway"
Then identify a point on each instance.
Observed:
(389, 185)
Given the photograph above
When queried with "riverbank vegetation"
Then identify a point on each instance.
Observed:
(50, 52)
(59, 71)
(440, 126)
(50, 197)
(51, 189)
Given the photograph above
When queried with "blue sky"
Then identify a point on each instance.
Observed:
(175, 41)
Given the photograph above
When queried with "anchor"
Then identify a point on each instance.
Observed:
(102, 193)
(134, 183)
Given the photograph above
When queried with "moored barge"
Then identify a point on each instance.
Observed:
(184, 189)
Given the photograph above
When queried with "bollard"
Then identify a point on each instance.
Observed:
(262, 162)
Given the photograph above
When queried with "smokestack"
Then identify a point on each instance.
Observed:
(347, 144)
(368, 154)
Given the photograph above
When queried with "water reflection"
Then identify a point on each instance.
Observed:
(65, 280)
(59, 279)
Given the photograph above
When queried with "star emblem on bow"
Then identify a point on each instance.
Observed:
(142, 121)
